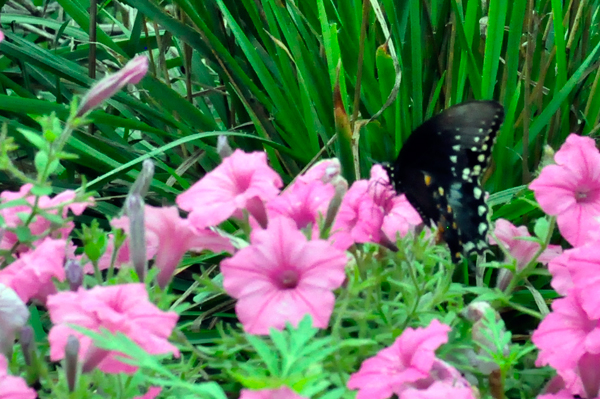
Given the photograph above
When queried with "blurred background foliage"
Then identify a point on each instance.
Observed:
(299, 78)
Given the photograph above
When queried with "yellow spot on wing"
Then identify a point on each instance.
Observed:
(427, 180)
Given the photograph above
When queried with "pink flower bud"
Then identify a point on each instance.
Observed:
(71, 352)
(108, 86)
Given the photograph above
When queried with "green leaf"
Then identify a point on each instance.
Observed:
(541, 227)
(34, 138)
(41, 163)
(269, 357)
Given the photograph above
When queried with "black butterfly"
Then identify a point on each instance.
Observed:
(439, 169)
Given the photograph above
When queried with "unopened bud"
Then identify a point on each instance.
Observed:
(26, 342)
(13, 316)
(74, 274)
(71, 355)
(223, 148)
(334, 207)
(142, 183)
(134, 205)
(108, 86)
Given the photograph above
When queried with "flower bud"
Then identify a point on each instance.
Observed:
(26, 341)
(334, 206)
(134, 205)
(108, 86)
(71, 353)
(223, 147)
(74, 274)
(142, 183)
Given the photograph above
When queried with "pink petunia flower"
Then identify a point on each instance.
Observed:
(13, 387)
(579, 268)
(304, 203)
(371, 212)
(328, 171)
(13, 317)
(400, 218)
(58, 205)
(409, 363)
(584, 266)
(151, 394)
(241, 181)
(564, 394)
(438, 390)
(359, 219)
(279, 393)
(30, 276)
(561, 276)
(281, 277)
(522, 251)
(1, 36)
(570, 190)
(169, 237)
(120, 308)
(568, 338)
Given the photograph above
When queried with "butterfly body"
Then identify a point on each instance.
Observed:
(439, 169)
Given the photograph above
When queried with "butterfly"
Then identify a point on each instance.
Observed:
(439, 169)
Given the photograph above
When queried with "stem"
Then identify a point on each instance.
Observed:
(526, 271)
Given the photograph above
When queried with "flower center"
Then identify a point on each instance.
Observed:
(581, 195)
(288, 279)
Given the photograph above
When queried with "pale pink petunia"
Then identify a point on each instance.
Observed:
(523, 251)
(561, 276)
(13, 387)
(1, 36)
(108, 86)
(563, 394)
(372, 212)
(30, 276)
(58, 205)
(123, 309)
(151, 394)
(168, 237)
(400, 218)
(359, 219)
(438, 390)
(566, 335)
(281, 277)
(241, 181)
(570, 190)
(328, 171)
(279, 393)
(13, 317)
(410, 359)
(174, 237)
(582, 272)
(304, 203)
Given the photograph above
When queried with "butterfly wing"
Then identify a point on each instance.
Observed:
(439, 170)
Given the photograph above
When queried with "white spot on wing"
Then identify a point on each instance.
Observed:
(481, 210)
(482, 228)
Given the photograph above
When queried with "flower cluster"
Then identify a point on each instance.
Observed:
(568, 338)
(410, 369)
(283, 275)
